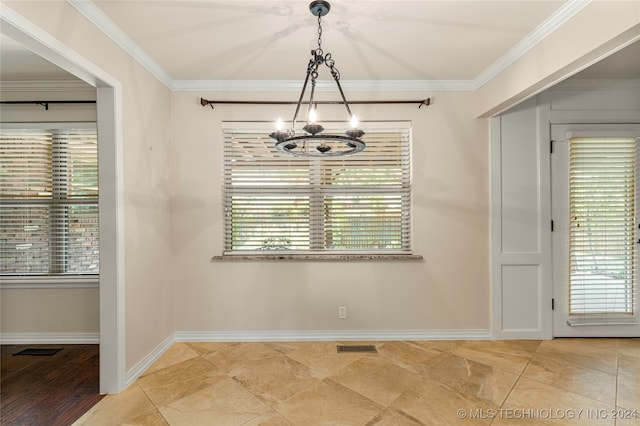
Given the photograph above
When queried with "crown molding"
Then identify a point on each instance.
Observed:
(323, 85)
(106, 25)
(562, 15)
(46, 86)
(242, 85)
(102, 22)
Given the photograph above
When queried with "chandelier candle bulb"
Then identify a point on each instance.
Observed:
(279, 124)
(313, 116)
(354, 122)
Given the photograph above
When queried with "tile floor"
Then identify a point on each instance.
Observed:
(556, 382)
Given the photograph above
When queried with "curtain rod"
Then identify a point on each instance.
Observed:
(205, 102)
(45, 104)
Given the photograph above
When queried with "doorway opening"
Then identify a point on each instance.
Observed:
(110, 211)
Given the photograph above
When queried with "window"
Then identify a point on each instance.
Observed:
(48, 201)
(274, 202)
(602, 246)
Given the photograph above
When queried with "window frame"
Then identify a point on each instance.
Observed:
(316, 194)
(54, 277)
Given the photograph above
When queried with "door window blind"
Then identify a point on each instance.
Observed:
(357, 203)
(48, 202)
(602, 188)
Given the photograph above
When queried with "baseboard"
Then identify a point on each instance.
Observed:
(49, 338)
(330, 335)
(520, 335)
(143, 364)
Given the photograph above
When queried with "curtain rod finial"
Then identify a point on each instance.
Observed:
(205, 102)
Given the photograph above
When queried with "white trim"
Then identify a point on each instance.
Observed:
(495, 225)
(112, 238)
(593, 116)
(242, 85)
(523, 335)
(101, 21)
(544, 193)
(602, 134)
(407, 85)
(50, 338)
(329, 335)
(49, 282)
(45, 125)
(146, 362)
(559, 17)
(65, 86)
(323, 85)
(606, 320)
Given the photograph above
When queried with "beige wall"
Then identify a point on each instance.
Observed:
(50, 311)
(146, 112)
(449, 290)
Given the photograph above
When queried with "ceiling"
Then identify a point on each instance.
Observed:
(369, 40)
(196, 40)
(20, 64)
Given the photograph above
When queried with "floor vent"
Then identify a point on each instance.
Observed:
(39, 351)
(356, 348)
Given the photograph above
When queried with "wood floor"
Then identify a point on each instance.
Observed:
(48, 390)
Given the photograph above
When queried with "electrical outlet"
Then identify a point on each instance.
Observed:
(342, 312)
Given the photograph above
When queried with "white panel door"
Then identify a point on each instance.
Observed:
(595, 230)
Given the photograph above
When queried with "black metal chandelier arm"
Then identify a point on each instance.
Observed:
(310, 69)
(336, 77)
(330, 62)
(314, 76)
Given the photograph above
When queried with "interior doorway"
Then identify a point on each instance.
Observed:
(109, 123)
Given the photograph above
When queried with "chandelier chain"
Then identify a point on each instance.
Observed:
(320, 32)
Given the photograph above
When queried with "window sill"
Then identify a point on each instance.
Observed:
(52, 282)
(315, 257)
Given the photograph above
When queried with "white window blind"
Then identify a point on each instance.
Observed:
(48, 201)
(602, 182)
(359, 203)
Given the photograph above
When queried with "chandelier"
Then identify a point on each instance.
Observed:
(313, 143)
